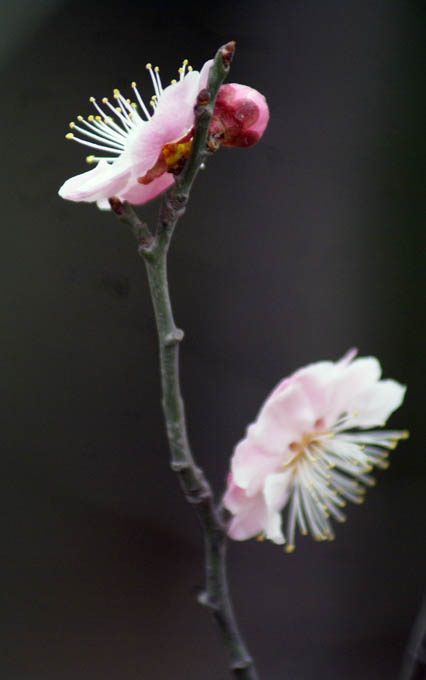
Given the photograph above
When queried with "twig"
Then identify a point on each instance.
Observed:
(195, 486)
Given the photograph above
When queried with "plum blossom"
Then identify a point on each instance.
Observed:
(141, 149)
(311, 449)
(133, 166)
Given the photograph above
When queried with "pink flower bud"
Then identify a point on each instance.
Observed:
(240, 116)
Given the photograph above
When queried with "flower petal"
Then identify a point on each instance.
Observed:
(250, 513)
(276, 493)
(142, 193)
(374, 406)
(351, 381)
(284, 418)
(104, 181)
(250, 465)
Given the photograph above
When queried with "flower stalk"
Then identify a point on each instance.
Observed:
(197, 490)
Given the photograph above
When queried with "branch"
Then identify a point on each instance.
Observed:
(194, 484)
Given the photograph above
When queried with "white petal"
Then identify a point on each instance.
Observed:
(105, 180)
(374, 406)
(276, 493)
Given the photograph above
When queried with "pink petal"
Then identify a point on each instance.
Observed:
(284, 418)
(318, 382)
(204, 75)
(250, 517)
(142, 193)
(250, 466)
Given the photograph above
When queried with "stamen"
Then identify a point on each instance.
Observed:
(158, 79)
(153, 78)
(96, 159)
(110, 133)
(100, 138)
(94, 146)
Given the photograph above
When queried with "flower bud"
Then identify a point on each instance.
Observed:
(240, 116)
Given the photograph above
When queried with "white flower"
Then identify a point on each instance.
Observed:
(310, 450)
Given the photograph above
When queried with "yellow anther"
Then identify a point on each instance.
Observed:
(80, 118)
(90, 159)
(185, 62)
(133, 83)
(116, 90)
(260, 538)
(98, 117)
(180, 70)
(189, 68)
(304, 532)
(69, 135)
(90, 118)
(117, 108)
(289, 548)
(134, 105)
(156, 69)
(105, 100)
(91, 100)
(148, 66)
(342, 503)
(404, 434)
(72, 125)
(173, 81)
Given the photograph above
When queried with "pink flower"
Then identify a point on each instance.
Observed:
(140, 146)
(308, 450)
(142, 150)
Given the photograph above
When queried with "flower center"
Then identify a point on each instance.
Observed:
(309, 441)
(171, 159)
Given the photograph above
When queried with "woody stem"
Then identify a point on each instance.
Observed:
(195, 486)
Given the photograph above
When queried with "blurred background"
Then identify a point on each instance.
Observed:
(290, 252)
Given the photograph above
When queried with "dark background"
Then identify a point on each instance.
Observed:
(290, 252)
